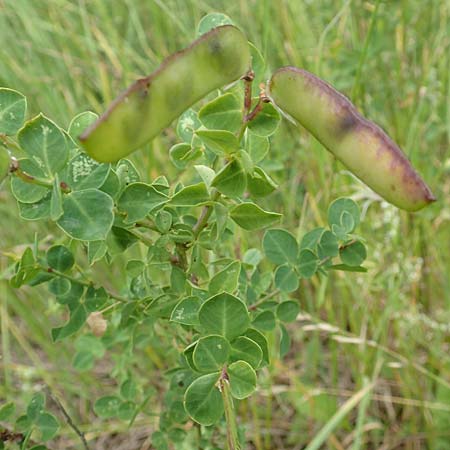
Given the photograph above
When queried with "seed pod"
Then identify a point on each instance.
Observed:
(217, 58)
(362, 146)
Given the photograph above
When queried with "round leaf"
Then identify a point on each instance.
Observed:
(80, 123)
(88, 215)
(211, 21)
(266, 122)
(286, 278)
(48, 426)
(242, 379)
(251, 217)
(265, 321)
(307, 263)
(13, 107)
(203, 401)
(85, 173)
(211, 353)
(28, 192)
(60, 258)
(288, 311)
(353, 254)
(45, 144)
(245, 349)
(336, 216)
(186, 311)
(139, 199)
(280, 246)
(224, 314)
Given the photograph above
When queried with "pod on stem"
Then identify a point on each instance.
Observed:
(217, 58)
(362, 146)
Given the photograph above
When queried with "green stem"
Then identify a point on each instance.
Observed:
(204, 216)
(24, 176)
(230, 415)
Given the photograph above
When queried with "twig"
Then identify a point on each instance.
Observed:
(68, 418)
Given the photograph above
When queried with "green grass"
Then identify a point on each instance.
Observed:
(370, 364)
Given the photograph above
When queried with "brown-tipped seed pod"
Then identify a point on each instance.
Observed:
(217, 58)
(362, 146)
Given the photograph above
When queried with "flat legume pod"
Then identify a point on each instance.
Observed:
(217, 58)
(363, 147)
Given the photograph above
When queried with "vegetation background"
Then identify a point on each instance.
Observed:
(390, 325)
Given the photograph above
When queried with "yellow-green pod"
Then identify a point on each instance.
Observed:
(362, 146)
(217, 58)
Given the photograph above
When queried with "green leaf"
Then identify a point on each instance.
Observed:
(226, 280)
(96, 251)
(107, 407)
(36, 406)
(129, 389)
(192, 195)
(186, 311)
(311, 239)
(138, 200)
(181, 154)
(126, 410)
(242, 379)
(36, 211)
(245, 349)
(135, 267)
(206, 174)
(260, 339)
(84, 172)
(92, 344)
(80, 123)
(328, 246)
(45, 144)
(60, 258)
(346, 268)
(280, 246)
(211, 21)
(257, 147)
(13, 107)
(337, 217)
(264, 321)
(59, 286)
(163, 221)
(222, 113)
(48, 426)
(203, 401)
(231, 180)
(28, 192)
(251, 217)
(266, 122)
(187, 124)
(6, 411)
(77, 319)
(286, 279)
(252, 257)
(288, 311)
(307, 263)
(211, 353)
(23, 424)
(224, 314)
(83, 361)
(88, 215)
(353, 253)
(188, 353)
(220, 142)
(259, 183)
(95, 298)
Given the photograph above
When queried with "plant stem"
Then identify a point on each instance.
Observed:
(230, 416)
(204, 216)
(24, 176)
